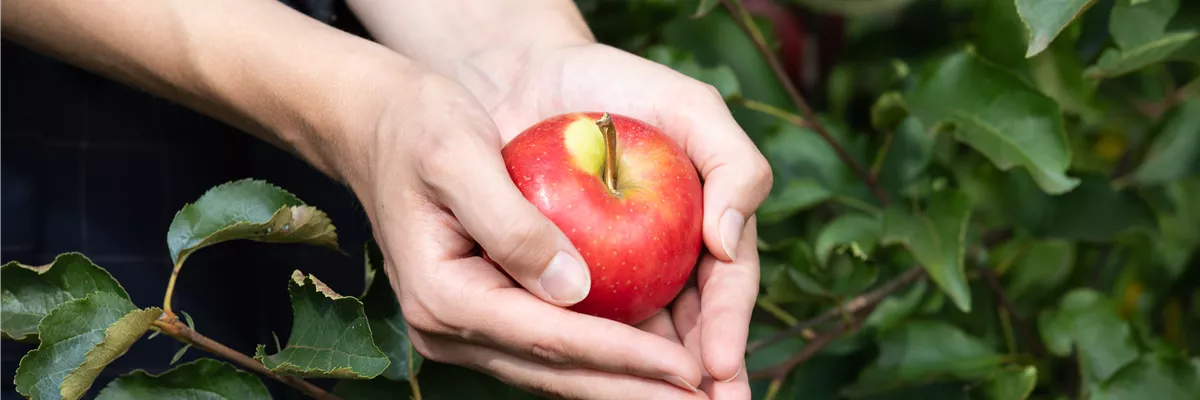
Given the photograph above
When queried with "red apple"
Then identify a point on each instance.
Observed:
(638, 232)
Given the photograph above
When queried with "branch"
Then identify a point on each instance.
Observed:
(1006, 304)
(181, 332)
(780, 371)
(1158, 108)
(869, 299)
(746, 22)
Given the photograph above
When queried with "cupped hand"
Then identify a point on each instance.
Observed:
(436, 187)
(712, 321)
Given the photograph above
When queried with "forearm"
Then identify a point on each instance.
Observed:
(458, 38)
(256, 65)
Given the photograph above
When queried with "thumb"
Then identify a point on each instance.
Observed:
(512, 231)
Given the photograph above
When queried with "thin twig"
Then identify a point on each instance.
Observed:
(780, 371)
(178, 330)
(1006, 304)
(1158, 108)
(746, 22)
(856, 304)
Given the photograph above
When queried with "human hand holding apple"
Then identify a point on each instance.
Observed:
(627, 197)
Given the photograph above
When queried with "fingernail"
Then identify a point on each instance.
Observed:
(677, 381)
(730, 226)
(735, 374)
(565, 279)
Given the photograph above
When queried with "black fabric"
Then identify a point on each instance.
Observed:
(94, 166)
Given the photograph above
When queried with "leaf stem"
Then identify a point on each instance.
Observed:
(881, 155)
(746, 22)
(1006, 305)
(171, 291)
(773, 389)
(778, 312)
(412, 376)
(856, 304)
(176, 329)
(773, 111)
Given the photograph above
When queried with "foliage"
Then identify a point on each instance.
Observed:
(992, 199)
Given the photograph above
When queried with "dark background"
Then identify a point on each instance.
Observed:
(94, 166)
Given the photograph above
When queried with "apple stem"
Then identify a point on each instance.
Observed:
(610, 151)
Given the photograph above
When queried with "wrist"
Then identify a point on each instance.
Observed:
(480, 44)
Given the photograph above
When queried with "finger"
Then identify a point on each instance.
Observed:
(737, 389)
(470, 178)
(736, 176)
(573, 383)
(686, 318)
(511, 319)
(727, 294)
(661, 324)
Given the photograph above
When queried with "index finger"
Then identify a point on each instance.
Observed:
(515, 320)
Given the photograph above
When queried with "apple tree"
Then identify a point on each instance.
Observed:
(983, 199)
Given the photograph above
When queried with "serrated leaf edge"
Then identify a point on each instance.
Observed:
(43, 269)
(74, 378)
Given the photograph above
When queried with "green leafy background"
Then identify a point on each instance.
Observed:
(1041, 162)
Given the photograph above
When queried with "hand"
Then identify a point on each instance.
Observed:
(436, 187)
(714, 321)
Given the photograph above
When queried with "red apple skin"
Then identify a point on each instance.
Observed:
(640, 245)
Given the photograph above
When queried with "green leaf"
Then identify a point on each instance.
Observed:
(31, 292)
(204, 378)
(1114, 63)
(705, 7)
(1153, 376)
(1001, 116)
(921, 351)
(78, 339)
(1133, 25)
(936, 238)
(852, 233)
(388, 327)
(330, 337)
(894, 310)
(1175, 153)
(1010, 383)
(1087, 322)
(908, 156)
(1042, 268)
(247, 210)
(721, 77)
(791, 198)
(1045, 19)
(1095, 212)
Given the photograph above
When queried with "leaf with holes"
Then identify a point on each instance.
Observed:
(1002, 117)
(331, 337)
(204, 378)
(31, 292)
(78, 339)
(936, 238)
(247, 210)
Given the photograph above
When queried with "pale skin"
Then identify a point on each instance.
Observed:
(413, 126)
